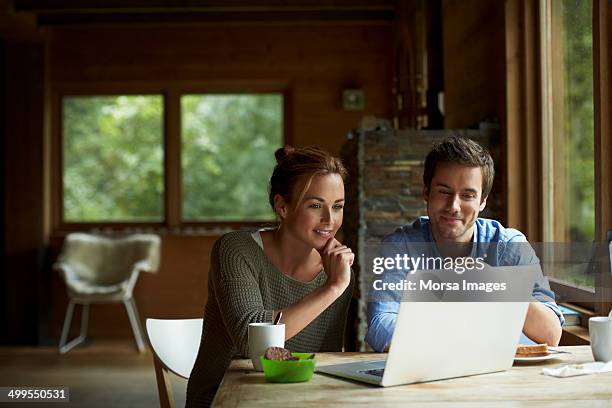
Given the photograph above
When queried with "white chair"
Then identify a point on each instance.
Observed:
(97, 269)
(175, 345)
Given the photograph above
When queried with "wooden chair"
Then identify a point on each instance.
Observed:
(175, 344)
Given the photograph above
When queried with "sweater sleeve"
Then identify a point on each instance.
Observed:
(237, 292)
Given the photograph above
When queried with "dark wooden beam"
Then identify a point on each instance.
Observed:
(156, 6)
(52, 19)
(73, 12)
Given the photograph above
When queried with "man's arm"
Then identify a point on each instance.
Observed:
(381, 322)
(544, 318)
(383, 305)
(542, 324)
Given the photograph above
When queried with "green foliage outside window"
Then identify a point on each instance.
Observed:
(112, 158)
(579, 118)
(227, 155)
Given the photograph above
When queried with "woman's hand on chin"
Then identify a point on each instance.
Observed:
(337, 260)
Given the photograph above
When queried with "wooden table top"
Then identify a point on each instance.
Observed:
(522, 385)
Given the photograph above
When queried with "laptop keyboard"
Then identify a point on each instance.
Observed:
(378, 372)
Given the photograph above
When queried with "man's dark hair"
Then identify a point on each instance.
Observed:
(463, 151)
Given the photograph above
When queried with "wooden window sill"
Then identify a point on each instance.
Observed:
(575, 336)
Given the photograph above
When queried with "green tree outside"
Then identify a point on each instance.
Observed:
(227, 156)
(113, 158)
(579, 118)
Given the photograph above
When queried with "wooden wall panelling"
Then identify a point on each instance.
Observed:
(23, 255)
(474, 63)
(474, 75)
(317, 63)
(22, 191)
(523, 132)
(435, 63)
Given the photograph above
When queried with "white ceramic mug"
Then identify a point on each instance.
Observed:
(600, 330)
(262, 336)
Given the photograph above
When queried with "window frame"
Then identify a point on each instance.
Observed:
(171, 140)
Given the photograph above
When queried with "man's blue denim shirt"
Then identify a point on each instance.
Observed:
(382, 315)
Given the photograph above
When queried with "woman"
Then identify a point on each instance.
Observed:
(298, 269)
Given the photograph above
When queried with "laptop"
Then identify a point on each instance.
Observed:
(451, 338)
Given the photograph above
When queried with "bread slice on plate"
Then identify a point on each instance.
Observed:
(534, 350)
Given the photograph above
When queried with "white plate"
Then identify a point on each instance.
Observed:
(536, 359)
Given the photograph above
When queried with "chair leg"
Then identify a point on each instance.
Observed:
(63, 347)
(130, 306)
(164, 385)
(84, 320)
(67, 323)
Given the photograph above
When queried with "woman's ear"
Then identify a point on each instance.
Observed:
(280, 206)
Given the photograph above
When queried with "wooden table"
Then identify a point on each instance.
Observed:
(522, 385)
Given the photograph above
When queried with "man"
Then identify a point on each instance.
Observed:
(457, 179)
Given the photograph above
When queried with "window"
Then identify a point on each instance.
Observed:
(568, 143)
(112, 158)
(124, 159)
(573, 135)
(228, 144)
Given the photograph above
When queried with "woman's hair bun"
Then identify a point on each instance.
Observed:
(295, 163)
(282, 153)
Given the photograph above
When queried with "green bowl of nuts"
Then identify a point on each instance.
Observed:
(290, 368)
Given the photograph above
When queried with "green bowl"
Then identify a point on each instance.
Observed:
(289, 371)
